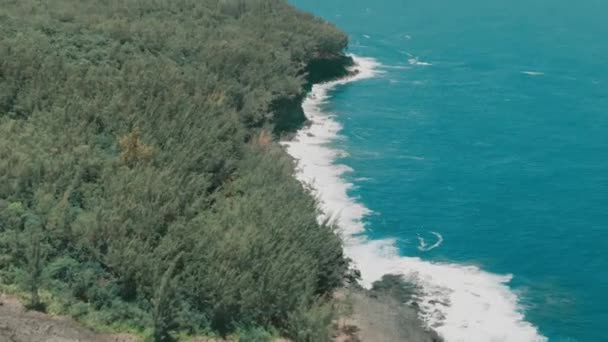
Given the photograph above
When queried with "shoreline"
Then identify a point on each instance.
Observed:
(459, 302)
(370, 312)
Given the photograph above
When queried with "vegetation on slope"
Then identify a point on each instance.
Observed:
(139, 185)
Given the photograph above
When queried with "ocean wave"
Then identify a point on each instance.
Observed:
(398, 67)
(417, 61)
(418, 158)
(462, 303)
(424, 247)
(533, 73)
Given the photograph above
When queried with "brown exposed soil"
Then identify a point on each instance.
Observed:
(364, 318)
(379, 319)
(20, 325)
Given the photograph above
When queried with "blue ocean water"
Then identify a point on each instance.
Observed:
(489, 127)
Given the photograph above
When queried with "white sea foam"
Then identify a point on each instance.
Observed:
(462, 303)
(410, 157)
(533, 73)
(398, 67)
(416, 61)
(424, 247)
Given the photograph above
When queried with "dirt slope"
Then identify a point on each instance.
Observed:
(20, 325)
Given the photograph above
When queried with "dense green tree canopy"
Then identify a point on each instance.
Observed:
(134, 145)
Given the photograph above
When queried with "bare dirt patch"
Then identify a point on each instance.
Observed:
(20, 325)
(373, 318)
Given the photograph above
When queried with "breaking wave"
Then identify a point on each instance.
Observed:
(462, 303)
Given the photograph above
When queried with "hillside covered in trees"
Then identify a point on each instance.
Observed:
(141, 186)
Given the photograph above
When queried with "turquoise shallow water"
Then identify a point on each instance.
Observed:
(500, 145)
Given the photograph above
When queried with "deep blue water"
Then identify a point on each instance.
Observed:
(511, 168)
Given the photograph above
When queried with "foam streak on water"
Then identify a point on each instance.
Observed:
(462, 303)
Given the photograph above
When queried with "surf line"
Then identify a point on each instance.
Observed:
(461, 302)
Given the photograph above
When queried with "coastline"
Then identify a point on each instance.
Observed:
(459, 302)
(373, 317)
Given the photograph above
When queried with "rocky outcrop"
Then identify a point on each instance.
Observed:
(288, 113)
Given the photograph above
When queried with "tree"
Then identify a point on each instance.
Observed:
(133, 149)
(132, 127)
(163, 303)
(35, 255)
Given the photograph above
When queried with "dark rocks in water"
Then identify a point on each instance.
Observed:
(435, 301)
(327, 68)
(395, 286)
(288, 113)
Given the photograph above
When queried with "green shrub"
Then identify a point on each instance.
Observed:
(131, 131)
(310, 323)
(255, 334)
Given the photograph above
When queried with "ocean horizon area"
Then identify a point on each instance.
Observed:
(469, 155)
